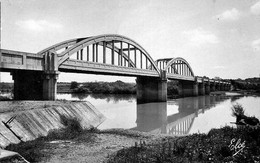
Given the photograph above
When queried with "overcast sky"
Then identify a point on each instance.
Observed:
(217, 37)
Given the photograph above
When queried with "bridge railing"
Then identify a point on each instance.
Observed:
(20, 60)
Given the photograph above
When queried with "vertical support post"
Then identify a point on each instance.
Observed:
(202, 88)
(146, 62)
(183, 69)
(174, 68)
(119, 57)
(121, 53)
(128, 54)
(207, 88)
(135, 55)
(23, 62)
(87, 53)
(77, 55)
(178, 69)
(93, 51)
(195, 89)
(81, 54)
(97, 52)
(104, 51)
(50, 77)
(113, 53)
(141, 58)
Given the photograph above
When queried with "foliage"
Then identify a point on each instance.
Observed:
(172, 88)
(74, 85)
(246, 84)
(211, 147)
(237, 110)
(117, 87)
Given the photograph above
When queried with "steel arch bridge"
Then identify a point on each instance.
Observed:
(104, 54)
(108, 54)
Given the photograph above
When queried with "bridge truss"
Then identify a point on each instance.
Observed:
(104, 54)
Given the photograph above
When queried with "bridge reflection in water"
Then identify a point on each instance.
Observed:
(152, 117)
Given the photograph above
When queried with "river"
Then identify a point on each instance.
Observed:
(175, 117)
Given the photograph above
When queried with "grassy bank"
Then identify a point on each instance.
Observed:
(219, 145)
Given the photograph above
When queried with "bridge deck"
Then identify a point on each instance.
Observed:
(15, 60)
(105, 69)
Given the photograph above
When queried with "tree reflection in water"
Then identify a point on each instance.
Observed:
(115, 98)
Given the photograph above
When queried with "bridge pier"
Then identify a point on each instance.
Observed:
(27, 85)
(212, 87)
(207, 88)
(50, 86)
(151, 89)
(37, 85)
(201, 88)
(50, 76)
(217, 86)
(188, 88)
(222, 87)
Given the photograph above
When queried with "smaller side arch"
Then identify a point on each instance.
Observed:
(176, 60)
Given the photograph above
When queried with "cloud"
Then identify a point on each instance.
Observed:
(256, 45)
(38, 25)
(255, 9)
(229, 15)
(199, 36)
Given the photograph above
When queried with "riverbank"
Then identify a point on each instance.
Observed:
(118, 145)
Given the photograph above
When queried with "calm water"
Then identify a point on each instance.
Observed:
(176, 117)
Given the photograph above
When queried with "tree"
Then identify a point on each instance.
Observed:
(74, 85)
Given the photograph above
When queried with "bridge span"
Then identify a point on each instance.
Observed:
(35, 74)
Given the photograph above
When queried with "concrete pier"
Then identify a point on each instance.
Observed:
(151, 90)
(188, 88)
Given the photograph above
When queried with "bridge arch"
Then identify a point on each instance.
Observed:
(177, 66)
(67, 48)
(62, 45)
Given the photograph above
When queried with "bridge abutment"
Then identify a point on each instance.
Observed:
(151, 89)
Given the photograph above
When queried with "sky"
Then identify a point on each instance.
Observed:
(219, 38)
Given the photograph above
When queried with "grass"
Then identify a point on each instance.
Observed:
(211, 147)
(34, 151)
